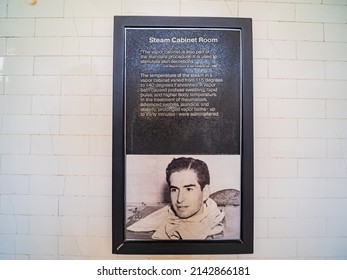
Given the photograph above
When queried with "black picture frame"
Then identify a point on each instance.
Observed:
(120, 147)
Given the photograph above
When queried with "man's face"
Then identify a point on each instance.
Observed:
(186, 194)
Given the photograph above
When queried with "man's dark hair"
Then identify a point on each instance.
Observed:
(183, 163)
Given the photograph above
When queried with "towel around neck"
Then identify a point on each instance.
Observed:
(167, 225)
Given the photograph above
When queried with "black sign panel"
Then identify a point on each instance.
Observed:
(183, 90)
(182, 163)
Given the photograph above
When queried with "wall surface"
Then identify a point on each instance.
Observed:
(56, 110)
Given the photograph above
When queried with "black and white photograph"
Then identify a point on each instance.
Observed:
(183, 197)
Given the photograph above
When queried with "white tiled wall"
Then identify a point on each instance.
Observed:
(56, 110)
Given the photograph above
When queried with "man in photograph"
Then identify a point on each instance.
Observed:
(192, 214)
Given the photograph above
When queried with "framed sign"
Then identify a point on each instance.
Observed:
(182, 136)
